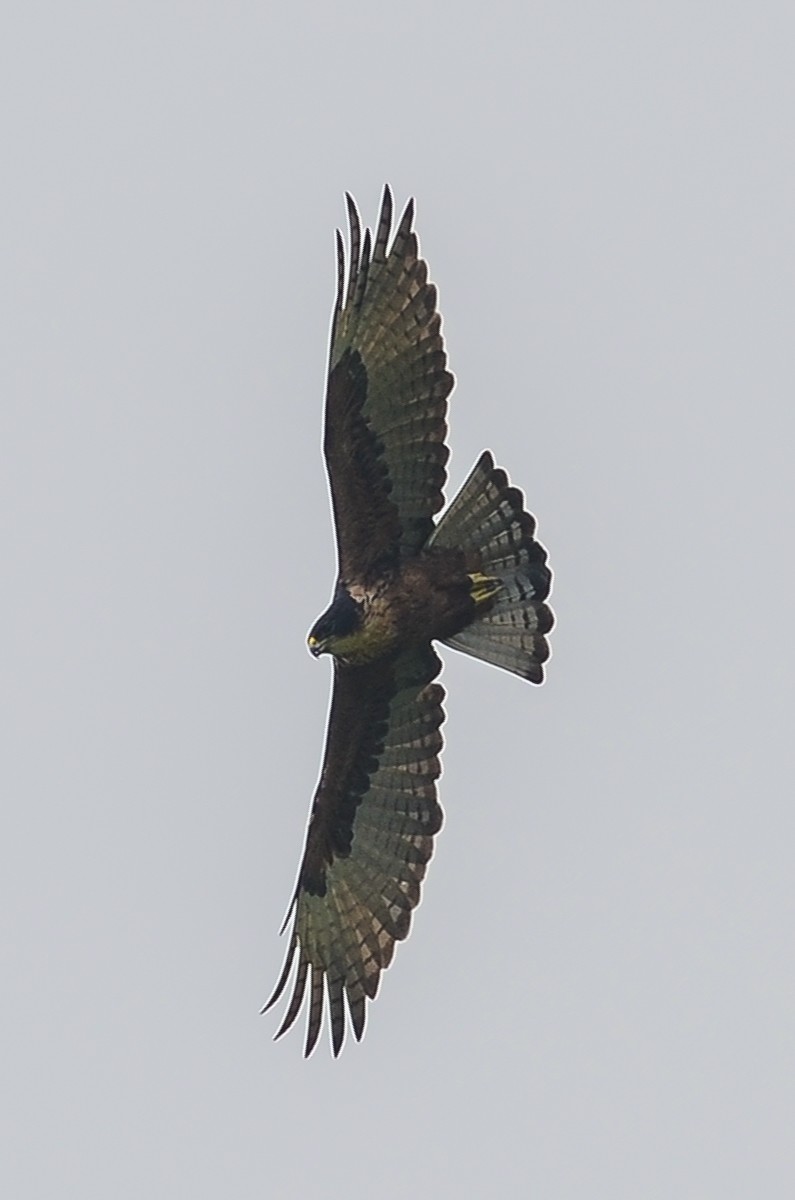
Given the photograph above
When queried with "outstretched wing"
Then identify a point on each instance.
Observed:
(369, 840)
(386, 400)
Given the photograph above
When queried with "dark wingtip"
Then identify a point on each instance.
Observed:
(314, 1021)
(311, 1040)
(289, 913)
(280, 985)
(280, 1032)
(384, 226)
(276, 994)
(357, 1012)
(350, 203)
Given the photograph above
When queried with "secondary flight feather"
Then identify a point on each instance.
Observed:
(476, 580)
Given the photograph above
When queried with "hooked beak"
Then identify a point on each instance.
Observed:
(314, 645)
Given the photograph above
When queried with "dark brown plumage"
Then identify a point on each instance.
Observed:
(476, 581)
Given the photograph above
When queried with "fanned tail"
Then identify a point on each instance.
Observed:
(510, 578)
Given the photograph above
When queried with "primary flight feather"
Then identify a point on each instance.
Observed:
(476, 580)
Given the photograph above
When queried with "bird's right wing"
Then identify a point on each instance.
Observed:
(370, 837)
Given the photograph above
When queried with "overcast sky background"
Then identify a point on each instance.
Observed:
(597, 996)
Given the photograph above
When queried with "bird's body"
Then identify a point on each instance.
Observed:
(475, 580)
(430, 596)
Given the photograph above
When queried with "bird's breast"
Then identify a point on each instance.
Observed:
(379, 632)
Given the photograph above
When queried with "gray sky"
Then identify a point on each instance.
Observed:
(597, 996)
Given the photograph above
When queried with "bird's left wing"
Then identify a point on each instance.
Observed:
(386, 400)
(369, 840)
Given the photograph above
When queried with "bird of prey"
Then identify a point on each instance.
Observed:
(475, 579)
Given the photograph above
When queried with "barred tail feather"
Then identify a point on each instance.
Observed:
(488, 521)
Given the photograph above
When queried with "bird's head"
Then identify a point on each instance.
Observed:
(341, 621)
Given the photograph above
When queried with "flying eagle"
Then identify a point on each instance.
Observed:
(475, 580)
